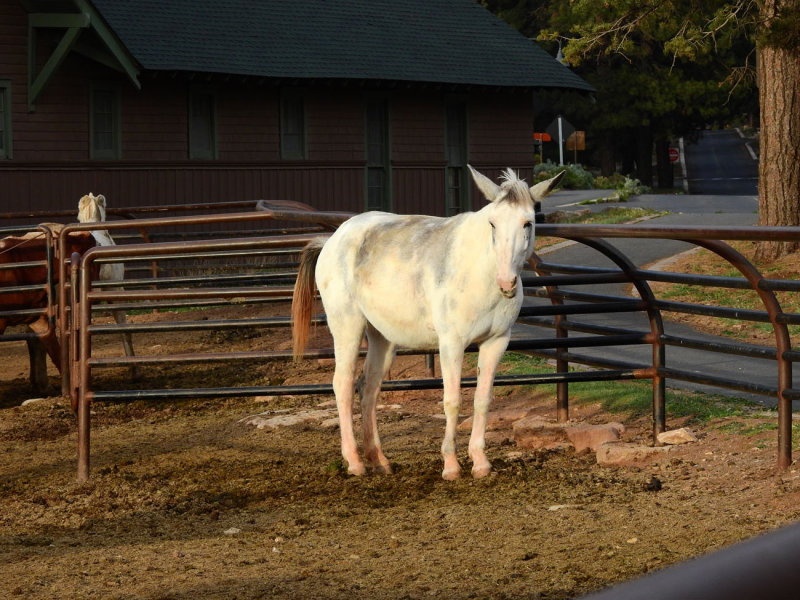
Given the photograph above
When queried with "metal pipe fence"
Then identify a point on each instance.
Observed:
(12, 272)
(568, 310)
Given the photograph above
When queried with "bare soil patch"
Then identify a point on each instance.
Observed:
(188, 501)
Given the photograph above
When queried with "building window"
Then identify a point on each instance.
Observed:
(293, 127)
(378, 151)
(5, 119)
(104, 123)
(456, 179)
(202, 124)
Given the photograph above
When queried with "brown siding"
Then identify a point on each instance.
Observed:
(501, 130)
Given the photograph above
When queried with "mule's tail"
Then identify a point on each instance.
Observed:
(303, 297)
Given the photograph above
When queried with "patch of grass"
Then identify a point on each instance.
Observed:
(708, 263)
(743, 428)
(632, 398)
(608, 216)
(614, 215)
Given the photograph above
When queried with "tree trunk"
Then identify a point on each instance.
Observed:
(666, 172)
(644, 155)
(627, 150)
(779, 161)
(608, 160)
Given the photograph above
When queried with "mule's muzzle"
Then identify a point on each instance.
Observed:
(508, 288)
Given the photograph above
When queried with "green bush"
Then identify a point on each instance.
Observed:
(612, 182)
(575, 178)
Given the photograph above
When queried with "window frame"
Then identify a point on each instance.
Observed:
(385, 165)
(115, 152)
(457, 169)
(212, 152)
(6, 150)
(286, 151)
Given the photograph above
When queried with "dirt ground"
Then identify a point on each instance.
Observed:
(187, 500)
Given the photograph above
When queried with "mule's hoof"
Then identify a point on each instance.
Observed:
(384, 469)
(357, 469)
(451, 475)
(481, 472)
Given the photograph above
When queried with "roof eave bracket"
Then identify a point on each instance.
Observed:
(74, 24)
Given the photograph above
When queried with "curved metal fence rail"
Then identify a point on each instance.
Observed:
(569, 305)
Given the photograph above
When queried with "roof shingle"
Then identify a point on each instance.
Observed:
(433, 41)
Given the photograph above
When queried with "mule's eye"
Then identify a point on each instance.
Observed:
(528, 225)
(492, 224)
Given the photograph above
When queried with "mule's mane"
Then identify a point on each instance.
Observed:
(513, 189)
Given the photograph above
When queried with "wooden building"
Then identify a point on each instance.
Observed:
(346, 105)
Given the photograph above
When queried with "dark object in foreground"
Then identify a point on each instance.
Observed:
(763, 567)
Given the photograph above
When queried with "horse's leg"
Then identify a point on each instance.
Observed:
(450, 358)
(127, 342)
(49, 340)
(491, 351)
(38, 362)
(347, 334)
(379, 358)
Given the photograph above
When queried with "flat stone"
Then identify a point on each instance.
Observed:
(594, 436)
(535, 432)
(498, 419)
(30, 401)
(272, 421)
(673, 437)
(621, 454)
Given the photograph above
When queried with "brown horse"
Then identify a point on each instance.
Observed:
(22, 250)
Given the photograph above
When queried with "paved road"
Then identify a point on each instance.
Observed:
(711, 209)
(720, 163)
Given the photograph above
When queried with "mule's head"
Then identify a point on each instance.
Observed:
(511, 216)
(92, 209)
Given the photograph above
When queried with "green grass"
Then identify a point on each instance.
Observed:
(613, 216)
(631, 398)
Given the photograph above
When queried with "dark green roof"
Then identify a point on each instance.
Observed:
(435, 41)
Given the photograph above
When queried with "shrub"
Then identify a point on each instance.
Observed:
(612, 182)
(575, 178)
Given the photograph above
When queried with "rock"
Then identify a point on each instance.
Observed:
(653, 484)
(232, 531)
(594, 436)
(536, 432)
(30, 401)
(619, 454)
(272, 421)
(498, 419)
(677, 436)
(555, 507)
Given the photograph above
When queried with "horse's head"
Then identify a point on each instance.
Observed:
(92, 209)
(511, 216)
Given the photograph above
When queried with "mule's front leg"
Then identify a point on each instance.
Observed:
(491, 351)
(451, 360)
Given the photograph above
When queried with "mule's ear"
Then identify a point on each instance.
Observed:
(82, 204)
(543, 188)
(101, 200)
(487, 187)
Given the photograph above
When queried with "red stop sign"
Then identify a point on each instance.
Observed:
(674, 154)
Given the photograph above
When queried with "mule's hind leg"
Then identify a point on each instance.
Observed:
(347, 335)
(491, 351)
(127, 342)
(379, 358)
